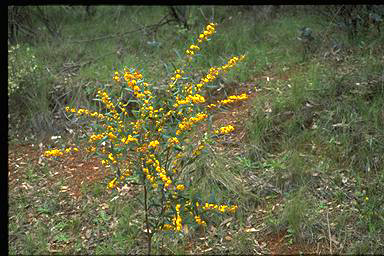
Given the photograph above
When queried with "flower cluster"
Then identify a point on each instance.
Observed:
(209, 31)
(220, 208)
(197, 151)
(173, 141)
(154, 172)
(196, 99)
(86, 112)
(154, 144)
(229, 100)
(53, 152)
(214, 73)
(178, 75)
(57, 152)
(232, 62)
(225, 129)
(199, 220)
(186, 124)
(176, 221)
(128, 139)
(112, 184)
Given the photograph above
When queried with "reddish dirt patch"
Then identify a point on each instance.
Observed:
(278, 245)
(74, 168)
(19, 156)
(78, 170)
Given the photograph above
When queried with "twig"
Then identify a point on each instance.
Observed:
(202, 13)
(154, 26)
(146, 219)
(329, 235)
(98, 58)
(87, 62)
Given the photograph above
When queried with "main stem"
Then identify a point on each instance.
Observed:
(146, 219)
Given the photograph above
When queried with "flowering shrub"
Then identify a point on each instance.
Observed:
(22, 65)
(152, 145)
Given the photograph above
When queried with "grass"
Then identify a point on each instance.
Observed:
(307, 175)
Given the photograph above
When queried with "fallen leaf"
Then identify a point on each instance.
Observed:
(88, 233)
(26, 186)
(248, 230)
(226, 221)
(63, 188)
(113, 199)
(104, 206)
(207, 250)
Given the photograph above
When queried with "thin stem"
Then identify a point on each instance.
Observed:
(146, 219)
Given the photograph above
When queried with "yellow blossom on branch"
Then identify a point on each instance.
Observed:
(225, 129)
(53, 152)
(112, 184)
(154, 144)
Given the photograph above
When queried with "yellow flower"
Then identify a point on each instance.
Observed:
(53, 152)
(110, 156)
(180, 187)
(140, 95)
(95, 137)
(232, 209)
(116, 77)
(197, 98)
(173, 140)
(194, 47)
(130, 138)
(225, 130)
(111, 136)
(167, 227)
(112, 184)
(154, 144)
(199, 220)
(189, 52)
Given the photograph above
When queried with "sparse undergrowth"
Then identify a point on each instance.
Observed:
(306, 160)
